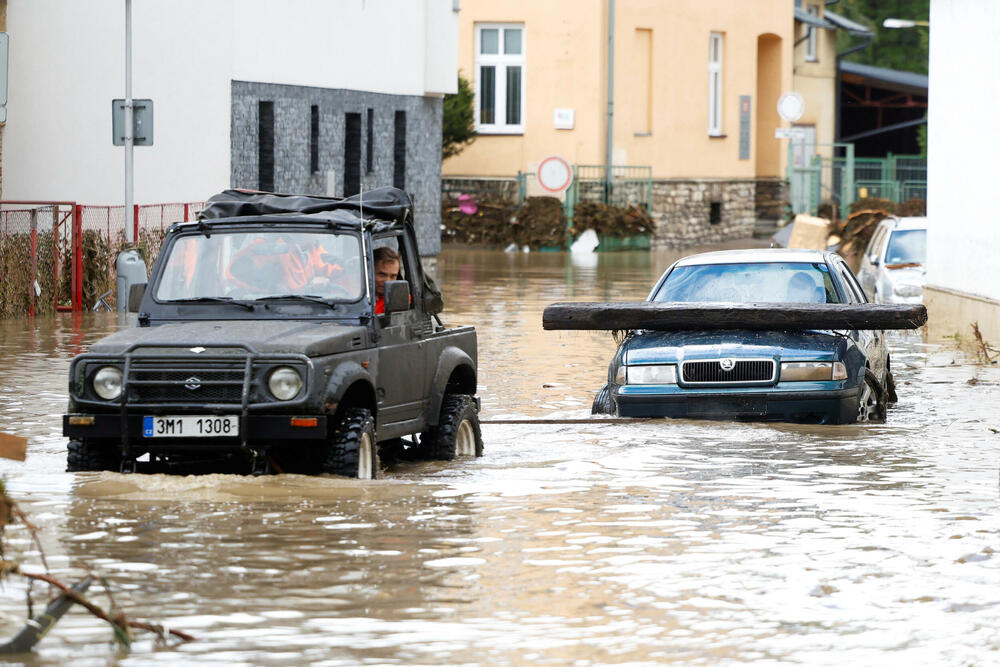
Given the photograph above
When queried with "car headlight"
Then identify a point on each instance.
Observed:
(108, 383)
(666, 374)
(906, 289)
(806, 371)
(284, 383)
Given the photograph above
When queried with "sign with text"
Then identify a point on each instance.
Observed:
(744, 127)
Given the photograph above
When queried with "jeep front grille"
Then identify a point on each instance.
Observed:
(742, 371)
(186, 381)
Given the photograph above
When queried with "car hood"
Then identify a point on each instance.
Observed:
(264, 337)
(677, 346)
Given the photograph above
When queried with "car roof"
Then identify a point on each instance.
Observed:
(755, 256)
(909, 223)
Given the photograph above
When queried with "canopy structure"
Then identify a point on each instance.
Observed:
(672, 316)
(389, 204)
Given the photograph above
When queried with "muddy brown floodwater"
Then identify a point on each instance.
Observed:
(700, 542)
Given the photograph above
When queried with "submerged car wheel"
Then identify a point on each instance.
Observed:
(352, 451)
(457, 433)
(602, 402)
(84, 455)
(871, 400)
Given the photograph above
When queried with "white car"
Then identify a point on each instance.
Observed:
(892, 267)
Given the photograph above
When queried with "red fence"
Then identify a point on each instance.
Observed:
(58, 256)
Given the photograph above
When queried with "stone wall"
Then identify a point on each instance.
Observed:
(772, 199)
(496, 190)
(292, 127)
(694, 212)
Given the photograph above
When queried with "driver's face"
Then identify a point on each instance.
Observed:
(387, 270)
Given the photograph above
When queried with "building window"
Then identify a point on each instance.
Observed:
(352, 154)
(265, 146)
(715, 84)
(314, 139)
(714, 213)
(370, 141)
(399, 151)
(500, 78)
(811, 35)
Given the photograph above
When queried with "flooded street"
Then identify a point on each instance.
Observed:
(688, 541)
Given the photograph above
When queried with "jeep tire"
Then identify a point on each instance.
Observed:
(352, 450)
(457, 432)
(88, 455)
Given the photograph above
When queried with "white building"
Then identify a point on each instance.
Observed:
(348, 90)
(963, 145)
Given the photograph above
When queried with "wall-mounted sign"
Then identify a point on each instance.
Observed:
(744, 127)
(791, 106)
(562, 119)
(554, 173)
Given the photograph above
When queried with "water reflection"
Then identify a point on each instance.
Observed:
(662, 541)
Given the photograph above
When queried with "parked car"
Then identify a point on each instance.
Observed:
(892, 266)
(793, 375)
(261, 340)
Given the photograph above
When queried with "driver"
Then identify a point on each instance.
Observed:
(267, 265)
(387, 263)
(801, 288)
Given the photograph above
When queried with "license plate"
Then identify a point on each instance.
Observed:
(191, 426)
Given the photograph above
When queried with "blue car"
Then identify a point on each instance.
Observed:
(813, 376)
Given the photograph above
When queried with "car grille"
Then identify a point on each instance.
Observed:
(743, 371)
(183, 381)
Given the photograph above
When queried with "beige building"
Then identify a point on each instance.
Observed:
(696, 84)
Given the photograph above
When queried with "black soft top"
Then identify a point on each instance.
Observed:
(387, 204)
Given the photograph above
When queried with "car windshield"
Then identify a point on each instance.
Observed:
(907, 246)
(762, 282)
(248, 265)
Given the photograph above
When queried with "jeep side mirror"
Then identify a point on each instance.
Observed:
(397, 296)
(135, 293)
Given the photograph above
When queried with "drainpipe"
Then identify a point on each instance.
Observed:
(611, 97)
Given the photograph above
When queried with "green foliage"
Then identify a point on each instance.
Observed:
(895, 48)
(458, 122)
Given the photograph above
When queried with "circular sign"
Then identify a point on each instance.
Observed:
(554, 173)
(791, 106)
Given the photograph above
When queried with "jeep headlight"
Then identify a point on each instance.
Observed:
(907, 289)
(108, 383)
(664, 374)
(284, 383)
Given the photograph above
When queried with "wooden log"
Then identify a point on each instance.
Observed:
(672, 316)
(13, 447)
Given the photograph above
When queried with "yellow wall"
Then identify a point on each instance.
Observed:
(565, 64)
(816, 81)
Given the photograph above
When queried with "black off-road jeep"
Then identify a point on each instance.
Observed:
(259, 341)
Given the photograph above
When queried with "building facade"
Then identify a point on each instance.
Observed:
(963, 276)
(694, 98)
(351, 94)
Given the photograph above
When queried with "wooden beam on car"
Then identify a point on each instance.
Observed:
(672, 316)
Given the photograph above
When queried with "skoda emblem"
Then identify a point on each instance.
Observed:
(198, 350)
(727, 364)
(192, 383)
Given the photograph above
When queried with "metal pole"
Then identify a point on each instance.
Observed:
(129, 139)
(609, 149)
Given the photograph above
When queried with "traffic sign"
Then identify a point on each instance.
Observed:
(142, 122)
(554, 173)
(791, 106)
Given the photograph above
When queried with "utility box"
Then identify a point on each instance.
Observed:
(131, 270)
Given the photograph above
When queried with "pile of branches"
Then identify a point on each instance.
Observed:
(538, 222)
(608, 220)
(122, 626)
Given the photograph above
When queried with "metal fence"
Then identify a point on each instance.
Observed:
(69, 250)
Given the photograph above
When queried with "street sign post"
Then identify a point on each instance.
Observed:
(555, 173)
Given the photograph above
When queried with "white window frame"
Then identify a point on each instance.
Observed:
(812, 37)
(715, 47)
(501, 62)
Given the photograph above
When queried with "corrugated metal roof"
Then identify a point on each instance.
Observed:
(805, 17)
(890, 78)
(845, 23)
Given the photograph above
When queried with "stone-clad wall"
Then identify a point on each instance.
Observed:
(682, 210)
(292, 121)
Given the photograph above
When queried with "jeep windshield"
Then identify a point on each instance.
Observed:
(244, 266)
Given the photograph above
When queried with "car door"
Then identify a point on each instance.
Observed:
(870, 341)
(870, 261)
(402, 361)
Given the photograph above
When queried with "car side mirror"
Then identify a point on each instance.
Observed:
(397, 296)
(135, 293)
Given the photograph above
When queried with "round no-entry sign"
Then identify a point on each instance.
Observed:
(554, 173)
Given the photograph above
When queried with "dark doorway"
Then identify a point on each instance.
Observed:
(265, 146)
(352, 154)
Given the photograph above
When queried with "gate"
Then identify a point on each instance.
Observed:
(815, 177)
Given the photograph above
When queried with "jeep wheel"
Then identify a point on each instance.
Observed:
(602, 402)
(352, 450)
(86, 455)
(457, 432)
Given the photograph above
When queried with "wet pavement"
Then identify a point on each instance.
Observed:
(684, 541)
